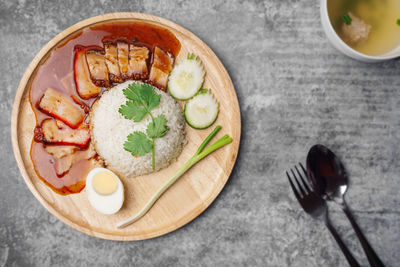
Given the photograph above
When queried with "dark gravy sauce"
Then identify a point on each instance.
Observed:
(57, 72)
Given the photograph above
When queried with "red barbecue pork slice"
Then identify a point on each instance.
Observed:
(62, 107)
(160, 69)
(56, 132)
(84, 85)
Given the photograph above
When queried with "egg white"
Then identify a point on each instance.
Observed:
(106, 204)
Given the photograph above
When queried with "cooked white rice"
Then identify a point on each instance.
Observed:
(110, 129)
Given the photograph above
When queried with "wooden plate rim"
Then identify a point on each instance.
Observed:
(25, 80)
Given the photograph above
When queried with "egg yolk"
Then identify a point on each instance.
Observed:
(104, 183)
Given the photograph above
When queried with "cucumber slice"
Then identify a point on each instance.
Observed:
(202, 110)
(186, 78)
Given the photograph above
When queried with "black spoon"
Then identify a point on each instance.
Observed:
(330, 181)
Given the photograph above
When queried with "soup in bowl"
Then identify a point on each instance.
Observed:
(367, 30)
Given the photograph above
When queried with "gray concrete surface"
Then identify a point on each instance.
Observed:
(294, 90)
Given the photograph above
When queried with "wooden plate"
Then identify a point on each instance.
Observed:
(186, 199)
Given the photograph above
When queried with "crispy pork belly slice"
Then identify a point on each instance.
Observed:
(97, 68)
(61, 107)
(56, 132)
(138, 61)
(112, 62)
(158, 78)
(123, 59)
(84, 86)
(162, 66)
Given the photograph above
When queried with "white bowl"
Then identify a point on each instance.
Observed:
(337, 42)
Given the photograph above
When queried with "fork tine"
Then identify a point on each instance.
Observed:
(298, 184)
(293, 187)
(307, 188)
(306, 172)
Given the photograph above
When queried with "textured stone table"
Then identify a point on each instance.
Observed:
(294, 90)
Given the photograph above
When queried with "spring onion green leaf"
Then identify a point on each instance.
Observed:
(347, 19)
(201, 153)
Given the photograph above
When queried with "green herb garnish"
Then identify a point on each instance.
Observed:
(191, 56)
(138, 144)
(398, 22)
(347, 19)
(141, 100)
(158, 127)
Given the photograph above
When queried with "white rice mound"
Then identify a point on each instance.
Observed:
(109, 130)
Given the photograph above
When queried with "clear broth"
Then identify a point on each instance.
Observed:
(382, 15)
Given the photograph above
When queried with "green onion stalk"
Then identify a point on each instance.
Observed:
(201, 153)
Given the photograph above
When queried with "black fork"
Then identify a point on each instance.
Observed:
(315, 206)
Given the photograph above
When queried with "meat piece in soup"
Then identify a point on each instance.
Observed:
(355, 32)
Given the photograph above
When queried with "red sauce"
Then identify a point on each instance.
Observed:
(57, 72)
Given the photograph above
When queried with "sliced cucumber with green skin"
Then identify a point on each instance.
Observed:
(202, 110)
(186, 78)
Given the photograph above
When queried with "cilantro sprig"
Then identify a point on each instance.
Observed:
(141, 101)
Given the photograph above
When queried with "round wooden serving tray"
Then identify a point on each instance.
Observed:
(186, 199)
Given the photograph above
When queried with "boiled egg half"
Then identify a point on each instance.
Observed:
(105, 191)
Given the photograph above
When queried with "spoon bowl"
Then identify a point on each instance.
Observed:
(328, 175)
(330, 181)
